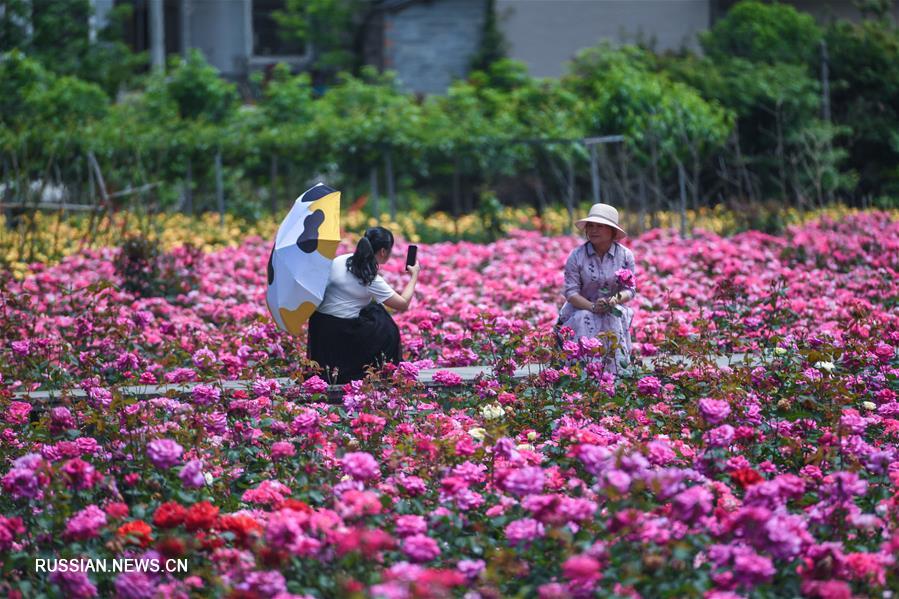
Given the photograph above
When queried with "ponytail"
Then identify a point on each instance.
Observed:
(362, 263)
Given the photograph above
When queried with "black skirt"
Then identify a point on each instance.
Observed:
(348, 345)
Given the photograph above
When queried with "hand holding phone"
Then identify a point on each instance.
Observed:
(411, 255)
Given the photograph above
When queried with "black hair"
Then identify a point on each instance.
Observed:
(362, 263)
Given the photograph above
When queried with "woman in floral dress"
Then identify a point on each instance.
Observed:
(599, 281)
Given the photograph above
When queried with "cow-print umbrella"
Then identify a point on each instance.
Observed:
(300, 262)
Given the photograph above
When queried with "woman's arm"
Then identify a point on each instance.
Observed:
(572, 288)
(582, 303)
(401, 301)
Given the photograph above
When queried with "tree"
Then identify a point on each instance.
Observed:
(198, 90)
(43, 122)
(864, 67)
(660, 118)
(493, 45)
(762, 32)
(331, 29)
(57, 33)
(14, 22)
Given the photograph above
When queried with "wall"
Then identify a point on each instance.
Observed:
(430, 44)
(219, 29)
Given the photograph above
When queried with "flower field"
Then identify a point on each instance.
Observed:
(777, 478)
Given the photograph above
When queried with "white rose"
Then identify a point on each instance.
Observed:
(477, 433)
(492, 411)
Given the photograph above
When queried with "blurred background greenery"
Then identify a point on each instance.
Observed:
(85, 124)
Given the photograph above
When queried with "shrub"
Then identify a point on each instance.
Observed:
(762, 32)
(147, 271)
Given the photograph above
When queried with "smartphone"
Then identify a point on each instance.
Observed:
(411, 255)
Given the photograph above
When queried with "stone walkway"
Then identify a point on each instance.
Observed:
(426, 377)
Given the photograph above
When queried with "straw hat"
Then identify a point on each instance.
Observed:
(603, 214)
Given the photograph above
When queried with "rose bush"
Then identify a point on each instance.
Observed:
(770, 477)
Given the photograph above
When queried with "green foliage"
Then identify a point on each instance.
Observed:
(776, 107)
(12, 25)
(198, 91)
(864, 66)
(42, 110)
(753, 99)
(817, 160)
(493, 46)
(69, 102)
(20, 80)
(283, 121)
(330, 28)
(287, 98)
(490, 213)
(763, 32)
(749, 89)
(878, 9)
(109, 62)
(52, 31)
(56, 33)
(482, 116)
(365, 114)
(758, 67)
(620, 94)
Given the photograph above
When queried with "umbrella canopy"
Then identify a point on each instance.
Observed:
(300, 263)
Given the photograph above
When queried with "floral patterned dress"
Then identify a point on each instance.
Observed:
(593, 277)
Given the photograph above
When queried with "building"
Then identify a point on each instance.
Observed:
(546, 34)
(236, 36)
(429, 43)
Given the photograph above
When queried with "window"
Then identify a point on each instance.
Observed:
(268, 37)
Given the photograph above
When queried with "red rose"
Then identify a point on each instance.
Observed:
(373, 541)
(353, 586)
(171, 547)
(116, 510)
(746, 477)
(241, 526)
(169, 515)
(209, 542)
(296, 505)
(346, 541)
(201, 516)
(436, 578)
(137, 531)
(272, 558)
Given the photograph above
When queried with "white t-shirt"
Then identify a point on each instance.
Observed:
(345, 296)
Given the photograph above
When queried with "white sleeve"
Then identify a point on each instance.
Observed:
(379, 290)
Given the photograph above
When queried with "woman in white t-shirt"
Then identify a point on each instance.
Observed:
(350, 329)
